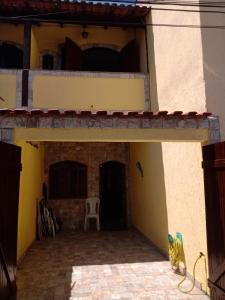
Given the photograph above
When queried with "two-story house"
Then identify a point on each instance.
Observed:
(94, 93)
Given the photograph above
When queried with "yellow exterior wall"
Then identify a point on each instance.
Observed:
(108, 134)
(176, 62)
(140, 38)
(10, 32)
(8, 90)
(31, 179)
(186, 73)
(34, 53)
(170, 197)
(147, 194)
(186, 200)
(50, 36)
(88, 93)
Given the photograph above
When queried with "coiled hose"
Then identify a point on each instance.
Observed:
(193, 282)
(175, 255)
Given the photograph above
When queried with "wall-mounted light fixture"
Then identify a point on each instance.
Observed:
(85, 33)
(33, 144)
(140, 169)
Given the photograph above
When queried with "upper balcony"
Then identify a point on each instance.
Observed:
(83, 66)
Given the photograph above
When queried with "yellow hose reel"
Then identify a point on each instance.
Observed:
(175, 256)
(175, 249)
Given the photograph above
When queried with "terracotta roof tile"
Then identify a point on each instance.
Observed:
(103, 113)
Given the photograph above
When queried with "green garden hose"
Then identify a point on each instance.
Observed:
(175, 255)
(185, 277)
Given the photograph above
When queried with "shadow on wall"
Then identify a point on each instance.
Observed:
(148, 193)
(154, 105)
(213, 48)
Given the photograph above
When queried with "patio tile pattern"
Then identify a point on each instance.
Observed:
(90, 266)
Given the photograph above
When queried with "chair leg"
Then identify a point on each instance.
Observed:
(98, 224)
(88, 224)
(85, 224)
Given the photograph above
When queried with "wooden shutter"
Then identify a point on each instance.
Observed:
(73, 56)
(214, 177)
(68, 179)
(130, 57)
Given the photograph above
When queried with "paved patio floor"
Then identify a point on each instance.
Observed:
(105, 265)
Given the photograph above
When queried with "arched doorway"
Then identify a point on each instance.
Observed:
(113, 195)
(11, 57)
(100, 59)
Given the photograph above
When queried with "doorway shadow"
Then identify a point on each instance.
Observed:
(112, 187)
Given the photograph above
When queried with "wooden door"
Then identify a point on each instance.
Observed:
(130, 57)
(214, 177)
(112, 195)
(73, 56)
(10, 167)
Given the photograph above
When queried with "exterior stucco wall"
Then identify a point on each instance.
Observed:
(140, 38)
(170, 197)
(99, 91)
(31, 180)
(175, 60)
(147, 193)
(213, 48)
(8, 82)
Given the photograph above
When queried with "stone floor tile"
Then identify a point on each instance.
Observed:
(98, 266)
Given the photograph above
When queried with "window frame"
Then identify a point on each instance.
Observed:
(74, 170)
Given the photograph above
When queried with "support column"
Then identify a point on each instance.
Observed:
(26, 62)
(147, 84)
(6, 135)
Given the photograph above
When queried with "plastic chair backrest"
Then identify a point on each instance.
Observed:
(92, 206)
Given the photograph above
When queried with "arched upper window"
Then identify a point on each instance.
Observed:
(47, 62)
(67, 179)
(100, 59)
(11, 56)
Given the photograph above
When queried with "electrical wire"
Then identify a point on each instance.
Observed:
(213, 4)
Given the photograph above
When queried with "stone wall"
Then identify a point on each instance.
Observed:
(72, 211)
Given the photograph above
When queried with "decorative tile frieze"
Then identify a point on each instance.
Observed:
(21, 118)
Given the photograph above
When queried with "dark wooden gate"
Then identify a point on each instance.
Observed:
(10, 167)
(214, 177)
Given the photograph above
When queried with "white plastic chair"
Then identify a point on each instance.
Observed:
(92, 212)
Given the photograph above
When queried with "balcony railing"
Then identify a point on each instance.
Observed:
(10, 88)
(76, 90)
